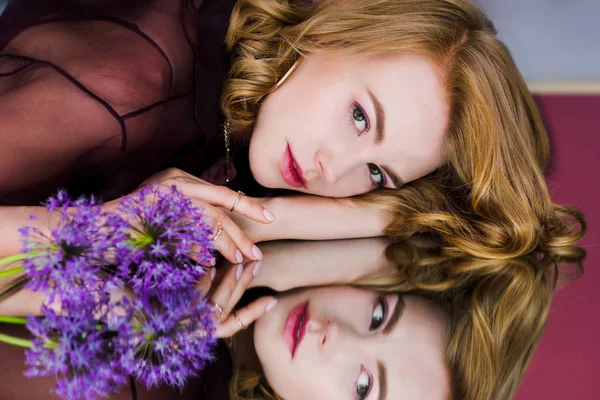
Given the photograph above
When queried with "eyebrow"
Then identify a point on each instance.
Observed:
(395, 317)
(380, 135)
(392, 322)
(396, 180)
(380, 116)
(382, 373)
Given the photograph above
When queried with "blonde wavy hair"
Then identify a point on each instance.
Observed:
(490, 199)
(497, 312)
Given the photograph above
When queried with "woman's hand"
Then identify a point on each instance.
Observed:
(214, 200)
(226, 292)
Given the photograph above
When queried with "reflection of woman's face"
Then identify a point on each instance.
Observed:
(351, 344)
(349, 125)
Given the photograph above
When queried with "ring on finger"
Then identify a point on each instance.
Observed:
(242, 325)
(240, 194)
(219, 231)
(219, 309)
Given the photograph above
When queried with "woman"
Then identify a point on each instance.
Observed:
(446, 335)
(416, 102)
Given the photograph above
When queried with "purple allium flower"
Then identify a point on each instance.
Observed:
(66, 262)
(82, 352)
(173, 339)
(170, 243)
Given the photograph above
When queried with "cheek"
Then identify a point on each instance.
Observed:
(264, 343)
(349, 305)
(305, 382)
(304, 110)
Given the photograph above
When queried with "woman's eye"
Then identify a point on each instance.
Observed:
(376, 176)
(363, 386)
(360, 119)
(379, 314)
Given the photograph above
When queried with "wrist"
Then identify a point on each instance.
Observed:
(15, 218)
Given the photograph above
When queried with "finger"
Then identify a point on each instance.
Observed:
(222, 196)
(246, 315)
(205, 282)
(241, 240)
(222, 293)
(223, 242)
(249, 271)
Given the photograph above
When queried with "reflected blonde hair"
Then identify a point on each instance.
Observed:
(497, 311)
(490, 199)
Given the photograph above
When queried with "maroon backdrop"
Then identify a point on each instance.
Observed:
(566, 365)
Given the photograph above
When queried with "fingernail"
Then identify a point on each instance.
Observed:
(238, 256)
(213, 262)
(257, 253)
(268, 215)
(238, 271)
(213, 272)
(256, 268)
(271, 305)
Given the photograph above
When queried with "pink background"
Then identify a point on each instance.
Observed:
(566, 365)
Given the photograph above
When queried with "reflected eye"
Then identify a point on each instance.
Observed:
(363, 385)
(360, 119)
(376, 176)
(379, 313)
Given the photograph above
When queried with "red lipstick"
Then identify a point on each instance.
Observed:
(290, 169)
(295, 327)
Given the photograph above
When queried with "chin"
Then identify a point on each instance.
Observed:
(263, 180)
(263, 338)
(260, 174)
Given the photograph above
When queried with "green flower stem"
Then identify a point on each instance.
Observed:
(15, 341)
(18, 257)
(13, 320)
(12, 271)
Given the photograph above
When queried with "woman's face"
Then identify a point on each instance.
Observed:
(350, 344)
(341, 125)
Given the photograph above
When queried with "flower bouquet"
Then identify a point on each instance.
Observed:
(151, 250)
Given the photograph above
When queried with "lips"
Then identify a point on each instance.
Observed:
(295, 327)
(290, 169)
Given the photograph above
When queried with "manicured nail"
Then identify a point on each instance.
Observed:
(268, 215)
(213, 262)
(257, 253)
(238, 256)
(271, 305)
(256, 268)
(213, 272)
(238, 271)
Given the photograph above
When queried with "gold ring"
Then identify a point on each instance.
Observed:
(220, 309)
(219, 230)
(240, 194)
(242, 326)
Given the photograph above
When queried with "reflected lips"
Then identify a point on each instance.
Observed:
(290, 170)
(295, 327)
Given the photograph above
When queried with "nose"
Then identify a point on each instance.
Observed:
(325, 167)
(332, 165)
(331, 335)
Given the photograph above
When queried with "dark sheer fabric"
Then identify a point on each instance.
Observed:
(97, 95)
